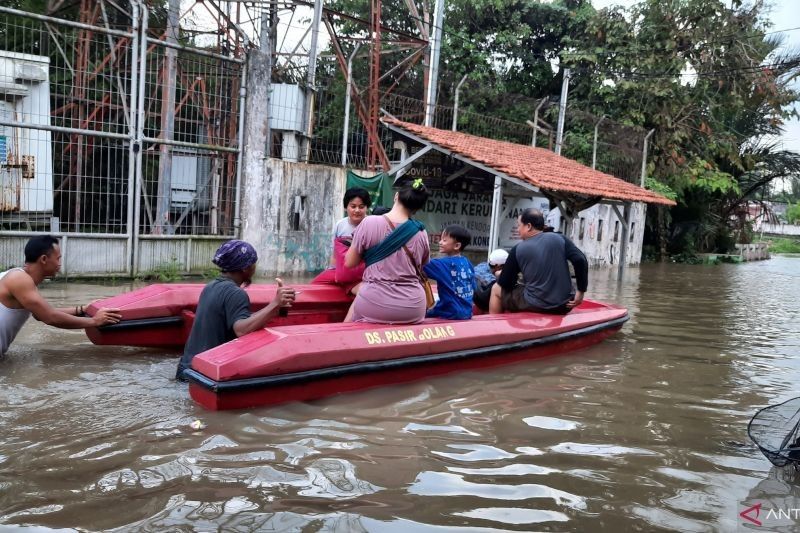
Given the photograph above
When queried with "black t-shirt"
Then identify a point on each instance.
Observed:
(542, 260)
(221, 304)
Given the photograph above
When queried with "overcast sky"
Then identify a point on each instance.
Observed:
(785, 15)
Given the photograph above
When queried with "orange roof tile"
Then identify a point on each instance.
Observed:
(537, 166)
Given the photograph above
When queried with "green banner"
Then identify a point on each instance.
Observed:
(379, 187)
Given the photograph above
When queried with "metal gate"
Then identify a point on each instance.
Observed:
(119, 136)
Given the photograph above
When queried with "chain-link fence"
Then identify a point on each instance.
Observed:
(617, 149)
(190, 140)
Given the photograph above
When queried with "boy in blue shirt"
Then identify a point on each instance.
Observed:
(455, 279)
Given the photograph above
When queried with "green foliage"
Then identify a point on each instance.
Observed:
(210, 272)
(793, 214)
(784, 246)
(661, 188)
(688, 258)
(165, 272)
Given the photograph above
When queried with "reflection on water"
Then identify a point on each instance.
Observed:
(644, 431)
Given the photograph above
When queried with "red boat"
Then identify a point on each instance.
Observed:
(311, 354)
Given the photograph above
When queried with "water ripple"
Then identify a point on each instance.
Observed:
(645, 431)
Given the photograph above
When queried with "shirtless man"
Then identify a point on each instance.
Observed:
(19, 295)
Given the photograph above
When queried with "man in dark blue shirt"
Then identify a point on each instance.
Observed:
(541, 258)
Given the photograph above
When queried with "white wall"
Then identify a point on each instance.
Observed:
(473, 212)
(25, 86)
(599, 245)
(779, 229)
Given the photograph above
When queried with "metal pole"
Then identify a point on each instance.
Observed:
(266, 48)
(644, 154)
(308, 116)
(455, 105)
(436, 44)
(536, 119)
(62, 22)
(594, 144)
(168, 89)
(138, 148)
(132, 146)
(497, 206)
(562, 110)
(346, 131)
(237, 207)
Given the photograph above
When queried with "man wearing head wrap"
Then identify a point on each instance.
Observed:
(223, 311)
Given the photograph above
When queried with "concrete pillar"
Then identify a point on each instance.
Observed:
(261, 187)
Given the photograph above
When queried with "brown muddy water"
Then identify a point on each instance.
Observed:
(646, 431)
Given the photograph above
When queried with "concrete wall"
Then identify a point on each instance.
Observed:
(101, 256)
(288, 214)
(753, 252)
(790, 230)
(601, 240)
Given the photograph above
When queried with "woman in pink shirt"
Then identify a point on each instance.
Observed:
(391, 292)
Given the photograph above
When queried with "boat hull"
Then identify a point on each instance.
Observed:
(161, 315)
(315, 384)
(311, 354)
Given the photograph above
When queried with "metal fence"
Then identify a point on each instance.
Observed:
(329, 139)
(115, 123)
(617, 149)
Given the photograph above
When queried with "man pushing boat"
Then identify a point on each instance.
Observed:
(223, 311)
(20, 298)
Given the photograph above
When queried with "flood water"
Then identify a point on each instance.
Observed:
(645, 431)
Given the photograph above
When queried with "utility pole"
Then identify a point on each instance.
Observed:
(436, 45)
(562, 110)
(644, 155)
(346, 131)
(170, 75)
(256, 135)
(455, 105)
(308, 116)
(265, 70)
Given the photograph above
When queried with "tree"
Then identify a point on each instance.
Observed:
(711, 82)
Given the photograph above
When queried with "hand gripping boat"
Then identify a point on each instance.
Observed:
(311, 354)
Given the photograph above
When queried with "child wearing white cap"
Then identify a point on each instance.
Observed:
(486, 275)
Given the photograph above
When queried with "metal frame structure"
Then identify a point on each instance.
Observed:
(368, 112)
(127, 99)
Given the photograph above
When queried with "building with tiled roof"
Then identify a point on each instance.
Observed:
(603, 214)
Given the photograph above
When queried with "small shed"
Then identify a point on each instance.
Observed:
(523, 171)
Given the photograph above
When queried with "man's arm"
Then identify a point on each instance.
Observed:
(581, 266)
(74, 310)
(510, 273)
(284, 297)
(23, 289)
